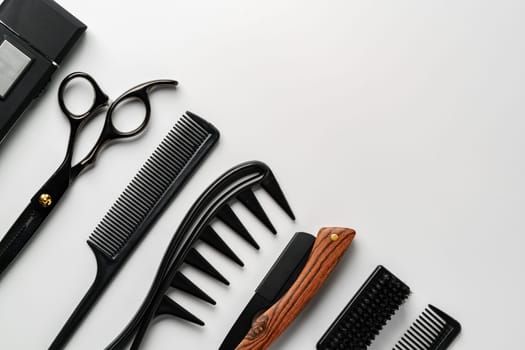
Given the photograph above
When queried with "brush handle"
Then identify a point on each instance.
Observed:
(105, 272)
(328, 248)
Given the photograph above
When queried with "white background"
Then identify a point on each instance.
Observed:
(401, 119)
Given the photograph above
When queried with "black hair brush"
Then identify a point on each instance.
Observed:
(366, 314)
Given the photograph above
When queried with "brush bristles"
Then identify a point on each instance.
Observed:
(156, 176)
(432, 330)
(367, 313)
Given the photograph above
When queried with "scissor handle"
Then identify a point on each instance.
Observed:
(100, 99)
(138, 93)
(110, 132)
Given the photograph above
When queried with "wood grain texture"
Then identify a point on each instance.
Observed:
(328, 248)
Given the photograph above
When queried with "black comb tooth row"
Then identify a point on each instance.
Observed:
(271, 186)
(169, 307)
(226, 214)
(149, 185)
(183, 283)
(231, 220)
(214, 204)
(248, 199)
(210, 237)
(228, 217)
(366, 314)
(432, 330)
(195, 259)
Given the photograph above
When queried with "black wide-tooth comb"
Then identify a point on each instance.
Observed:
(236, 184)
(432, 330)
(138, 207)
(366, 314)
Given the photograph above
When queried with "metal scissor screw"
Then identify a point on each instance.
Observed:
(45, 200)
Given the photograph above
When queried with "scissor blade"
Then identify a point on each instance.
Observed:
(20, 233)
(278, 280)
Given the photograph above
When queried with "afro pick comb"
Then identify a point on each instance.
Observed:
(214, 204)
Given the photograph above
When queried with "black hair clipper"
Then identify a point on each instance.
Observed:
(35, 37)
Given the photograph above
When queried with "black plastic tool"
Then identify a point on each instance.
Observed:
(214, 204)
(432, 330)
(366, 313)
(141, 203)
(50, 194)
(35, 38)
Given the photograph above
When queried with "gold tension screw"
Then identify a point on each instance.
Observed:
(45, 200)
(334, 237)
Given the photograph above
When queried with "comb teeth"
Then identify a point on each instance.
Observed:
(432, 330)
(366, 314)
(195, 259)
(226, 215)
(169, 307)
(271, 186)
(235, 184)
(160, 172)
(210, 237)
(181, 282)
(248, 199)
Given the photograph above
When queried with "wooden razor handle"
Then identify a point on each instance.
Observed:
(329, 246)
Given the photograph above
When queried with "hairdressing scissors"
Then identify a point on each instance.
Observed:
(49, 195)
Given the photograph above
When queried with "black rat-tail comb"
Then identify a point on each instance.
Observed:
(432, 330)
(366, 314)
(236, 184)
(138, 207)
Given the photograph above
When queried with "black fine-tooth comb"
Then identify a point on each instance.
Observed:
(236, 184)
(366, 314)
(432, 330)
(141, 203)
